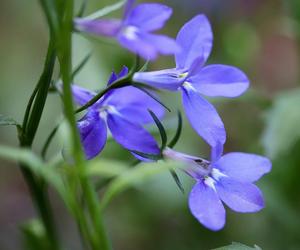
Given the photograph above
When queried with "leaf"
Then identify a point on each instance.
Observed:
(106, 168)
(82, 8)
(176, 137)
(282, 124)
(238, 246)
(177, 180)
(162, 131)
(79, 67)
(20, 155)
(147, 156)
(136, 175)
(145, 66)
(106, 10)
(35, 164)
(294, 8)
(34, 236)
(5, 120)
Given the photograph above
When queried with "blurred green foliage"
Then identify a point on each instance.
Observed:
(261, 37)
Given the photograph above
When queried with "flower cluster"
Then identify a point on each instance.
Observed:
(124, 109)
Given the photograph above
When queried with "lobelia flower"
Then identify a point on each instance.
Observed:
(228, 178)
(123, 111)
(194, 79)
(134, 30)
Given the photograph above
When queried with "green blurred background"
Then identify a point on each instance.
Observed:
(260, 37)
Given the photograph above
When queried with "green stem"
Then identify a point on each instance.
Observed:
(48, 141)
(29, 106)
(65, 48)
(122, 82)
(30, 124)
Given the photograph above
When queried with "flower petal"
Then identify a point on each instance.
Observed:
(93, 133)
(81, 95)
(135, 43)
(244, 167)
(149, 16)
(163, 44)
(131, 136)
(216, 152)
(206, 206)
(196, 66)
(148, 45)
(102, 27)
(133, 104)
(241, 197)
(164, 79)
(203, 117)
(195, 39)
(129, 5)
(220, 80)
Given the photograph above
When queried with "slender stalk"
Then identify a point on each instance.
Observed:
(30, 124)
(48, 141)
(65, 48)
(40, 98)
(122, 82)
(29, 106)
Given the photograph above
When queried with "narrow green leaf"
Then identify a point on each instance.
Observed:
(106, 168)
(282, 124)
(48, 141)
(177, 180)
(82, 8)
(148, 156)
(35, 164)
(34, 236)
(134, 176)
(178, 131)
(20, 155)
(238, 246)
(144, 67)
(135, 67)
(106, 10)
(79, 67)
(6, 120)
(162, 131)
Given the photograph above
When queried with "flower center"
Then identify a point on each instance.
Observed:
(214, 176)
(104, 110)
(183, 75)
(217, 174)
(130, 32)
(188, 86)
(210, 182)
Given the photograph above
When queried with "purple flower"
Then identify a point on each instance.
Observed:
(228, 178)
(134, 30)
(123, 111)
(194, 79)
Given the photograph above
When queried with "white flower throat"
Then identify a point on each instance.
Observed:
(130, 32)
(198, 168)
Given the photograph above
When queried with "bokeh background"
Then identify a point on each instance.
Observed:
(260, 37)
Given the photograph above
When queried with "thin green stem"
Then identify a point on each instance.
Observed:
(65, 48)
(48, 141)
(30, 124)
(50, 12)
(122, 82)
(41, 96)
(29, 106)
